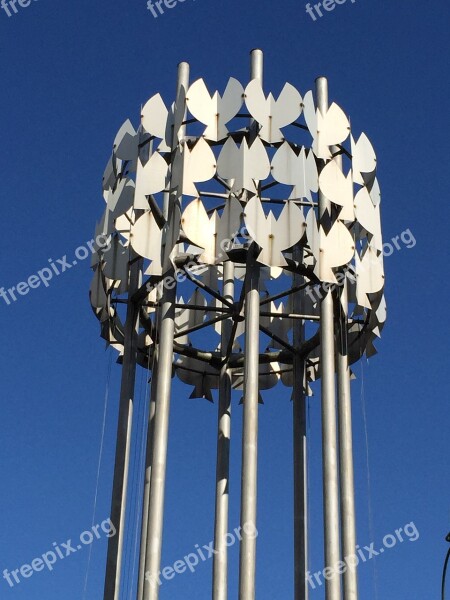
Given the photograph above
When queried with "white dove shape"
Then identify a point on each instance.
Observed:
(326, 130)
(211, 233)
(151, 178)
(243, 165)
(338, 189)
(193, 166)
(146, 239)
(161, 123)
(369, 275)
(121, 199)
(126, 144)
(116, 260)
(274, 235)
(299, 170)
(368, 216)
(273, 114)
(364, 159)
(333, 250)
(217, 110)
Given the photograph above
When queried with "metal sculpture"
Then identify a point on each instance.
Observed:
(257, 220)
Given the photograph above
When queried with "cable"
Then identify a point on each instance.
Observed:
(140, 469)
(105, 409)
(444, 572)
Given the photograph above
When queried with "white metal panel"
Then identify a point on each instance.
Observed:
(299, 170)
(151, 178)
(243, 165)
(274, 235)
(211, 232)
(273, 114)
(368, 216)
(126, 142)
(364, 159)
(121, 199)
(369, 275)
(338, 189)
(116, 260)
(146, 238)
(217, 110)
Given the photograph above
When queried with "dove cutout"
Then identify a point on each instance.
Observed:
(369, 275)
(273, 114)
(126, 144)
(213, 233)
(338, 189)
(193, 166)
(330, 251)
(244, 166)
(368, 216)
(297, 169)
(364, 160)
(215, 111)
(274, 235)
(327, 130)
(151, 178)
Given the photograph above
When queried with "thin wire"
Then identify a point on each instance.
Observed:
(369, 487)
(128, 588)
(143, 453)
(102, 439)
(444, 573)
(141, 480)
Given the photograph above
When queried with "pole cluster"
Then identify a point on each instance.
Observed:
(243, 251)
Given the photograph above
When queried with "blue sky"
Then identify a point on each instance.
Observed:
(71, 73)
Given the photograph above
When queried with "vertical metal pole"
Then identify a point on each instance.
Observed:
(329, 434)
(147, 481)
(220, 565)
(122, 457)
(250, 437)
(348, 519)
(161, 431)
(300, 452)
(247, 564)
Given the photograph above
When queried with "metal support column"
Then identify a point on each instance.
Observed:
(329, 433)
(247, 568)
(247, 559)
(300, 451)
(220, 565)
(122, 457)
(348, 520)
(161, 430)
(147, 482)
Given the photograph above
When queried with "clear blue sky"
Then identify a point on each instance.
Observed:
(71, 73)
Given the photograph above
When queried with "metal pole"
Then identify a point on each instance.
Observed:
(148, 474)
(348, 519)
(300, 452)
(220, 565)
(122, 457)
(250, 437)
(163, 388)
(247, 564)
(329, 435)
